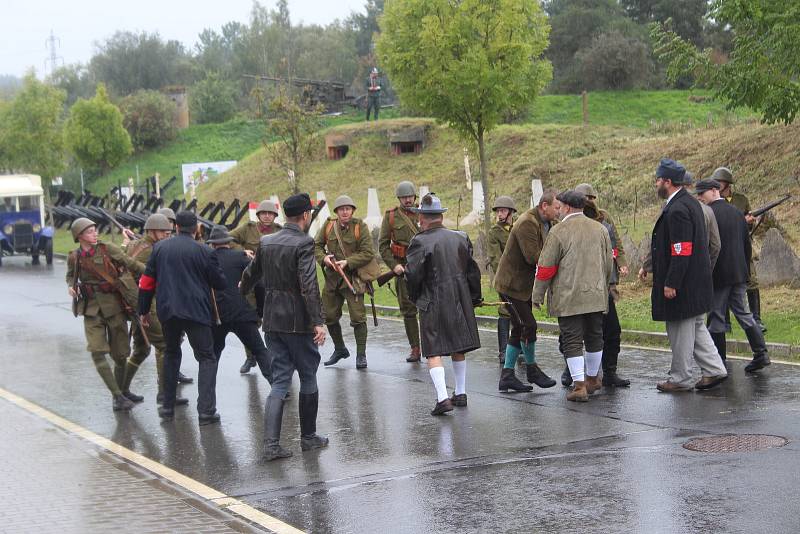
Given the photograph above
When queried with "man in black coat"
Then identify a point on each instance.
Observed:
(185, 272)
(682, 288)
(444, 282)
(731, 274)
(292, 322)
(235, 313)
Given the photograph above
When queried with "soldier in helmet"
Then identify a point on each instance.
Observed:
(169, 214)
(400, 224)
(496, 240)
(248, 236)
(725, 177)
(97, 276)
(157, 227)
(374, 93)
(346, 241)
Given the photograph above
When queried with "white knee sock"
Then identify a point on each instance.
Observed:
(437, 375)
(593, 360)
(575, 364)
(460, 369)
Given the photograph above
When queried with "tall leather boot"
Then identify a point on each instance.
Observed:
(273, 418)
(309, 439)
(754, 302)
(412, 333)
(720, 342)
(360, 333)
(131, 366)
(509, 380)
(340, 351)
(759, 347)
(503, 328)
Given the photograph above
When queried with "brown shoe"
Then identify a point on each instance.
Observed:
(442, 408)
(578, 393)
(708, 382)
(414, 355)
(671, 387)
(592, 384)
(459, 400)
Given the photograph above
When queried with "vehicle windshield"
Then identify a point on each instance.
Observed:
(8, 205)
(29, 203)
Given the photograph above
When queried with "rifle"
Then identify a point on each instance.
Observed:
(76, 288)
(215, 308)
(116, 223)
(385, 278)
(338, 269)
(764, 209)
(315, 213)
(371, 293)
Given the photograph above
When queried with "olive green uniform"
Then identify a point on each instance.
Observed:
(358, 253)
(104, 319)
(495, 245)
(397, 229)
(141, 250)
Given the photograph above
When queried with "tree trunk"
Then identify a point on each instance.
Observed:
(487, 222)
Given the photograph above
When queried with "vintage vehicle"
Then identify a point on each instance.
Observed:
(22, 218)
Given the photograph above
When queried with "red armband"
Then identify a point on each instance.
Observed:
(682, 249)
(615, 253)
(147, 283)
(546, 273)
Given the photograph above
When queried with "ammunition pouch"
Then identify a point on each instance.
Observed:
(398, 250)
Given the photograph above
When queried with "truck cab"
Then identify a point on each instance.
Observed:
(22, 218)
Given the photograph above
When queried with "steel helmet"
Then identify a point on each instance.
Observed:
(504, 201)
(586, 189)
(158, 221)
(722, 174)
(267, 205)
(168, 213)
(79, 225)
(343, 200)
(405, 189)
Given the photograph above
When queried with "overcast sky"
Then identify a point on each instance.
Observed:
(78, 24)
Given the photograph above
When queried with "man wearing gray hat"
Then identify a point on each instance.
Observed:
(445, 283)
(682, 284)
(730, 275)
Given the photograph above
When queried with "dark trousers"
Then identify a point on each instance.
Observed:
(612, 334)
(248, 334)
(202, 343)
(290, 353)
(523, 323)
(581, 330)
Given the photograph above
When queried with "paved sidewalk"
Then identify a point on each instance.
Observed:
(54, 482)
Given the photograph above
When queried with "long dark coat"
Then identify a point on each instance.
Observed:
(444, 282)
(232, 306)
(733, 263)
(679, 249)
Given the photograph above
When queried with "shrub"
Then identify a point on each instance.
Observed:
(149, 117)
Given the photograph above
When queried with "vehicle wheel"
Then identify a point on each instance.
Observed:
(48, 252)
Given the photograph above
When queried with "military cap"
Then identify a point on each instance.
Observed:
(168, 213)
(343, 200)
(672, 170)
(706, 185)
(219, 235)
(504, 201)
(430, 205)
(573, 199)
(586, 189)
(267, 205)
(405, 189)
(157, 221)
(723, 174)
(186, 219)
(79, 225)
(297, 204)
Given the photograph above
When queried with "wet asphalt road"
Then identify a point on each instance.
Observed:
(507, 463)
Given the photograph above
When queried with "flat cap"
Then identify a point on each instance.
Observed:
(672, 170)
(186, 219)
(706, 185)
(297, 204)
(573, 199)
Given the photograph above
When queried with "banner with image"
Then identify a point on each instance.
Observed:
(200, 173)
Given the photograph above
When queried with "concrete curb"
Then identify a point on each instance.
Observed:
(634, 337)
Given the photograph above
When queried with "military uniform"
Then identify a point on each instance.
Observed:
(358, 252)
(495, 245)
(104, 317)
(398, 228)
(374, 95)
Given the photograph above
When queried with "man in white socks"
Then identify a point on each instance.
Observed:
(577, 263)
(444, 282)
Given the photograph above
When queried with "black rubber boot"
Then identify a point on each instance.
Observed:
(340, 351)
(759, 347)
(360, 333)
(722, 346)
(248, 364)
(612, 379)
(509, 380)
(535, 375)
(754, 302)
(273, 418)
(133, 397)
(503, 327)
(183, 379)
(121, 403)
(309, 439)
(566, 377)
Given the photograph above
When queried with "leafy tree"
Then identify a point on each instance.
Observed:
(212, 99)
(365, 26)
(614, 61)
(94, 133)
(688, 16)
(295, 128)
(762, 73)
(467, 63)
(9, 85)
(30, 130)
(149, 117)
(75, 80)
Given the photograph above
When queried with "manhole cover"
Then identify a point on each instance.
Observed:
(735, 443)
